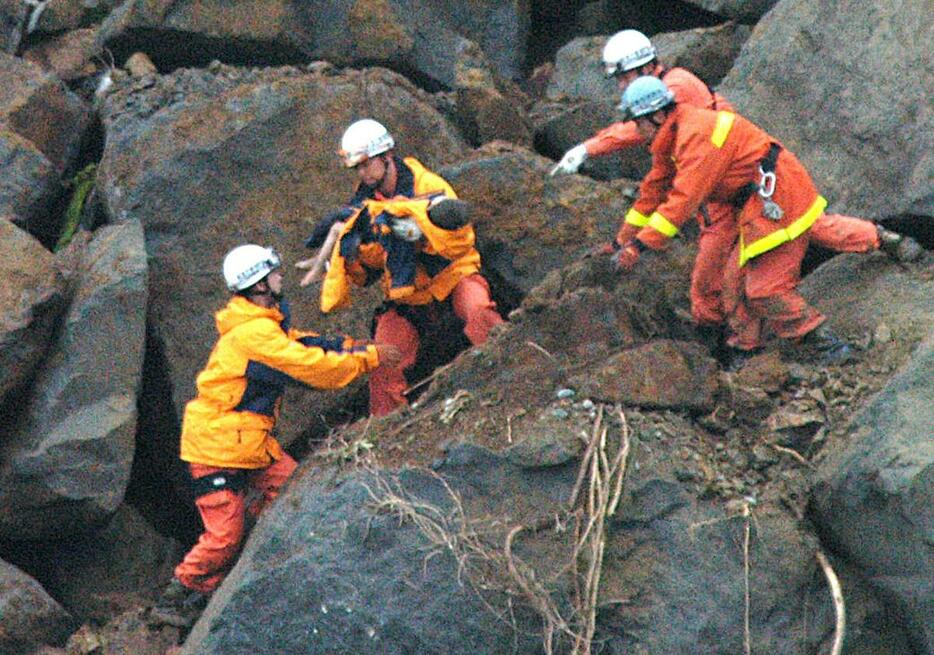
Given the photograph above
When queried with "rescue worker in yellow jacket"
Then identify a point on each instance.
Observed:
(227, 430)
(404, 225)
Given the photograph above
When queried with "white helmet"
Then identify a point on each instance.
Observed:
(627, 50)
(364, 139)
(246, 265)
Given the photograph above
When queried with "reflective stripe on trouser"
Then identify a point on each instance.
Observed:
(763, 295)
(223, 513)
(714, 246)
(470, 301)
(844, 233)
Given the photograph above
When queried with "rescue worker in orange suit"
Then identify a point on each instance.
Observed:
(227, 431)
(406, 226)
(628, 55)
(700, 155)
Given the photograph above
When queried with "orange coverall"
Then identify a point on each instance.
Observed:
(717, 229)
(702, 155)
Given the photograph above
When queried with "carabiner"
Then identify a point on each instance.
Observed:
(766, 183)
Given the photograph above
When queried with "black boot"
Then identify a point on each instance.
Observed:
(899, 247)
(830, 348)
(178, 606)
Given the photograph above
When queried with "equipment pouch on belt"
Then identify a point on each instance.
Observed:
(208, 484)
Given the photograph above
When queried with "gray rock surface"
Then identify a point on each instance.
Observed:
(31, 298)
(424, 38)
(29, 617)
(846, 86)
(874, 500)
(333, 574)
(66, 459)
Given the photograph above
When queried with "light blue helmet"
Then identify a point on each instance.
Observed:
(646, 95)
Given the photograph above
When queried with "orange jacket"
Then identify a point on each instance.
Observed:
(229, 423)
(700, 155)
(688, 89)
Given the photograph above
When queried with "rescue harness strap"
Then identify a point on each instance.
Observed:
(767, 166)
(234, 480)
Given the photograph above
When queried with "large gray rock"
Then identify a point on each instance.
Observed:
(874, 499)
(529, 223)
(66, 461)
(29, 617)
(42, 125)
(744, 11)
(847, 87)
(31, 298)
(208, 160)
(332, 573)
(425, 38)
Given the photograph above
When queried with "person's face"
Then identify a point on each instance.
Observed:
(274, 280)
(372, 171)
(647, 126)
(625, 78)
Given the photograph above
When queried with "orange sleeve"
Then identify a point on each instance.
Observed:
(612, 138)
(689, 89)
(700, 165)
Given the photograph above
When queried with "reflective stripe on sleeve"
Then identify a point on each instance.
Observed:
(636, 218)
(722, 130)
(785, 234)
(662, 224)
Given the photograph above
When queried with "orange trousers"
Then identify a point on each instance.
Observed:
(763, 294)
(716, 241)
(470, 301)
(223, 514)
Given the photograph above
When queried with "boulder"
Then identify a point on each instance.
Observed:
(67, 456)
(42, 125)
(743, 11)
(873, 501)
(31, 299)
(29, 617)
(372, 579)
(842, 86)
(659, 374)
(424, 39)
(529, 223)
(70, 56)
(65, 15)
(209, 159)
(13, 15)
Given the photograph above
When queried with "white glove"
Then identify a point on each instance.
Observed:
(572, 160)
(406, 229)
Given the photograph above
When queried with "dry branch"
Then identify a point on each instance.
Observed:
(839, 607)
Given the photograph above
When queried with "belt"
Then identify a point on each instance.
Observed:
(767, 165)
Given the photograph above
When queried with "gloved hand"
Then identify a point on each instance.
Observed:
(571, 161)
(628, 256)
(406, 229)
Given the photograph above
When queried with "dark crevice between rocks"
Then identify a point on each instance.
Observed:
(159, 481)
(173, 49)
(554, 24)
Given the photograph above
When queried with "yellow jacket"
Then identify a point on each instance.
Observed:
(441, 258)
(229, 424)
